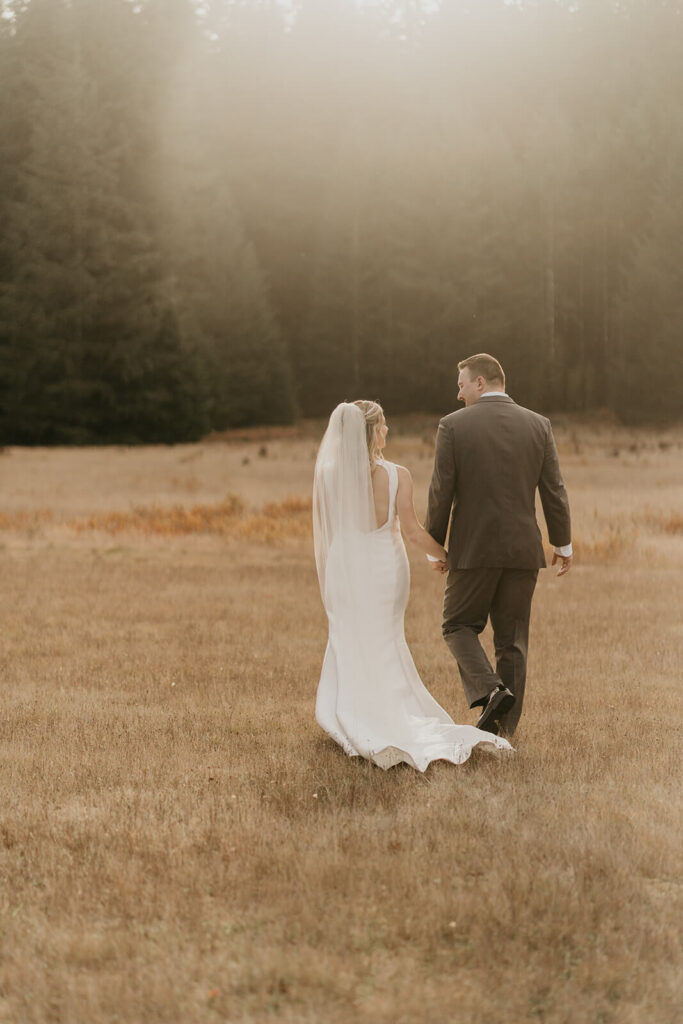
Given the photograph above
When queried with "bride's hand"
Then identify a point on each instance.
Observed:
(440, 565)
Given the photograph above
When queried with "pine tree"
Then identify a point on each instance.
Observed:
(88, 285)
(650, 377)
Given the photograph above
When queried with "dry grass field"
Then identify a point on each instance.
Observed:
(179, 842)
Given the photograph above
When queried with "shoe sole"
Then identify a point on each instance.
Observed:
(488, 720)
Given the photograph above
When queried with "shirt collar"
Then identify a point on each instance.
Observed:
(487, 394)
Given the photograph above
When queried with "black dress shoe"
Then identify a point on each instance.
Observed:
(499, 701)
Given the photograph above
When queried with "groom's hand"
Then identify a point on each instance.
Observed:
(566, 563)
(441, 567)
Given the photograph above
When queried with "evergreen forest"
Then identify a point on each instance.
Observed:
(237, 212)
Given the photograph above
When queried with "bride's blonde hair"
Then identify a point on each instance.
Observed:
(373, 413)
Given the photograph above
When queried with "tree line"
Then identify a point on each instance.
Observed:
(244, 212)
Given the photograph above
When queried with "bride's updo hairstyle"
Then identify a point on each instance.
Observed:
(373, 413)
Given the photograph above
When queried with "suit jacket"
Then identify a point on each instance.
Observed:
(490, 458)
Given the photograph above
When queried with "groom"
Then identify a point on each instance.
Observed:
(490, 458)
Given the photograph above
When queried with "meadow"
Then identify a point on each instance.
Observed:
(180, 843)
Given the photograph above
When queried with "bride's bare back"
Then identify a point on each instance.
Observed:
(411, 527)
(380, 494)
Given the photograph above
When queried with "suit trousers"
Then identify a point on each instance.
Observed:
(472, 595)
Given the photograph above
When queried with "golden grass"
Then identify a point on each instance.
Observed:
(277, 520)
(27, 520)
(180, 843)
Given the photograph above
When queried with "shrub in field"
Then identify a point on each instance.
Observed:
(26, 519)
(277, 520)
(664, 522)
(284, 520)
(673, 524)
(609, 547)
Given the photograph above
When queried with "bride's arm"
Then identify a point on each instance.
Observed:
(412, 528)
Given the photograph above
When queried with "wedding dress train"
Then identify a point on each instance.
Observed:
(370, 697)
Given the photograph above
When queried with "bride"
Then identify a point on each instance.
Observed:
(371, 699)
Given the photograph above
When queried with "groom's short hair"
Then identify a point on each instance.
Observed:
(484, 365)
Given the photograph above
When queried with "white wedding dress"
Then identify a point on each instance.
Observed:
(370, 697)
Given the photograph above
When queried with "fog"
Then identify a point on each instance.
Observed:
(220, 214)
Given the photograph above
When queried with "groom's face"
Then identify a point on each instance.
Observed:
(468, 389)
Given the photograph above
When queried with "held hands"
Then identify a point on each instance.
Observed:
(439, 565)
(566, 563)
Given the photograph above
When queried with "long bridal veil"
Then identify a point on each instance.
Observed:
(344, 531)
(343, 507)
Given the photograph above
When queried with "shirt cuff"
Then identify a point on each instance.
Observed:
(565, 551)
(433, 559)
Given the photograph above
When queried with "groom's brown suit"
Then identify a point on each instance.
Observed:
(490, 458)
